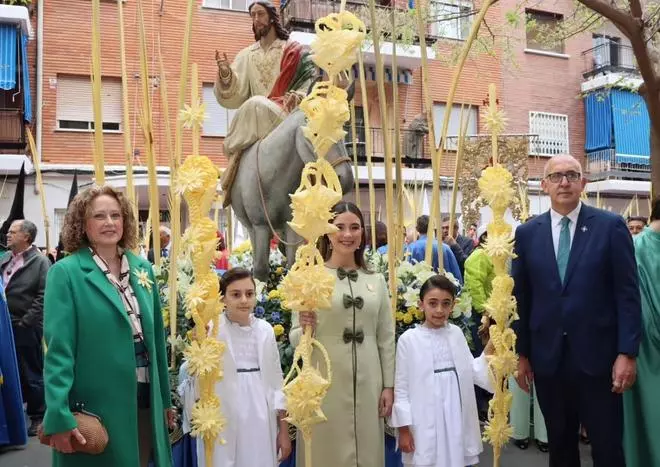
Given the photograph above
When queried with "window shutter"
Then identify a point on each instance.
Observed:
(111, 100)
(217, 117)
(74, 98)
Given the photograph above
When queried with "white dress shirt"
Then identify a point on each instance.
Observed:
(555, 222)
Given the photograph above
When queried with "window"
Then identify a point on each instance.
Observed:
(451, 19)
(238, 5)
(218, 118)
(59, 222)
(74, 104)
(552, 131)
(454, 123)
(540, 28)
(360, 137)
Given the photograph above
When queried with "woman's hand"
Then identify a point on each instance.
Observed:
(406, 441)
(283, 445)
(171, 417)
(61, 442)
(308, 319)
(386, 401)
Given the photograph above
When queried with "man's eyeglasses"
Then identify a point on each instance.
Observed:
(571, 176)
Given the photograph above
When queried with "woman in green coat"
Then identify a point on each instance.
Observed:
(105, 337)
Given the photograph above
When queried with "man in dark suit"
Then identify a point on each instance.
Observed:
(580, 317)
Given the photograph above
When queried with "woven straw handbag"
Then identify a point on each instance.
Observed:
(92, 429)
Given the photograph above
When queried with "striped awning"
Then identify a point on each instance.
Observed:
(8, 56)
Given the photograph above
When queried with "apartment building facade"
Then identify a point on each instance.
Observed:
(539, 98)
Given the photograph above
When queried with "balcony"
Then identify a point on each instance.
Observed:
(12, 130)
(414, 146)
(607, 165)
(609, 57)
(300, 16)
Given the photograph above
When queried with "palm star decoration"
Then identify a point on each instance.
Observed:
(193, 115)
(143, 279)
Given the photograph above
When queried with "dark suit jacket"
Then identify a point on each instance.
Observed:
(25, 295)
(597, 308)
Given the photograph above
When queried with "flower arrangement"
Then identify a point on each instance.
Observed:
(410, 278)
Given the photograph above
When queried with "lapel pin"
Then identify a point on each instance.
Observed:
(584, 228)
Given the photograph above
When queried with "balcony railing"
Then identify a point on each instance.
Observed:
(609, 57)
(605, 165)
(12, 131)
(301, 15)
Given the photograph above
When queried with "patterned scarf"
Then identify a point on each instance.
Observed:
(123, 286)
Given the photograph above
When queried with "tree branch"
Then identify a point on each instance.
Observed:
(623, 21)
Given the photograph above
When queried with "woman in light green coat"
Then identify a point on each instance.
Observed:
(106, 341)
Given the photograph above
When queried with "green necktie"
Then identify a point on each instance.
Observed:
(564, 249)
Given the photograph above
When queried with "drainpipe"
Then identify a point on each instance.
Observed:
(40, 67)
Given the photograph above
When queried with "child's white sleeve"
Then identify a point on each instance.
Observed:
(401, 410)
(480, 373)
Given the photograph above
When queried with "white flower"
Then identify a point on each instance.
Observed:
(260, 289)
(411, 296)
(276, 257)
(453, 279)
(463, 306)
(404, 269)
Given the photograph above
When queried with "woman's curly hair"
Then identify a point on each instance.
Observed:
(73, 232)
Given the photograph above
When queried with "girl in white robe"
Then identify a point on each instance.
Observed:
(435, 408)
(251, 389)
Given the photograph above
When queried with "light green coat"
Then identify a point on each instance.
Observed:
(91, 359)
(354, 434)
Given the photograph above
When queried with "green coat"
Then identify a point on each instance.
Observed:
(91, 359)
(641, 408)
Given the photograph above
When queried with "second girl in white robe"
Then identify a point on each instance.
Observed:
(434, 396)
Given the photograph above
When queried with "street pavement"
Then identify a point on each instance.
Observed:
(36, 455)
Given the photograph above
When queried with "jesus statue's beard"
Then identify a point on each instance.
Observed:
(261, 32)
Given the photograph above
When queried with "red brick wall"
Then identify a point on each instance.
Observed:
(546, 84)
(67, 50)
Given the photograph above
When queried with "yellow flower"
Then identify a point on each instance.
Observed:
(495, 186)
(279, 270)
(143, 279)
(243, 247)
(399, 316)
(166, 316)
(407, 318)
(419, 314)
(204, 357)
(278, 329)
(189, 335)
(274, 295)
(193, 115)
(207, 419)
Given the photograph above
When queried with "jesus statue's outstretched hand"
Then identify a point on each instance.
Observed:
(224, 68)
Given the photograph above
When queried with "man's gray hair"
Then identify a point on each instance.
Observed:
(28, 228)
(546, 167)
(165, 230)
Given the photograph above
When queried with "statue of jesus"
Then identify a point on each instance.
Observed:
(266, 81)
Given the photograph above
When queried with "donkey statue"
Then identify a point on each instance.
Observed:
(269, 171)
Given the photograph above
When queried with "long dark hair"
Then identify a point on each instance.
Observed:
(324, 242)
(274, 18)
